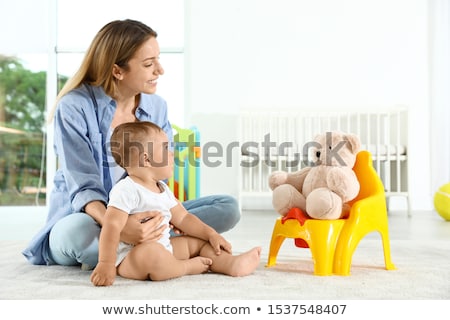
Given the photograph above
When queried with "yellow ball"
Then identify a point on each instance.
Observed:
(442, 201)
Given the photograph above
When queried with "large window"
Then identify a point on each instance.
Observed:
(34, 61)
(77, 22)
(22, 139)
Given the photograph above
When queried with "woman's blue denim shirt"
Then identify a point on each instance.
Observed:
(80, 138)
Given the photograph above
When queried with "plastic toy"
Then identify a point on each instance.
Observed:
(185, 182)
(442, 201)
(333, 242)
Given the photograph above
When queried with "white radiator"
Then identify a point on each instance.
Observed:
(274, 140)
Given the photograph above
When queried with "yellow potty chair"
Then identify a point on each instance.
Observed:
(333, 242)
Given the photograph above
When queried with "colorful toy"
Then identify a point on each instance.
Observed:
(333, 242)
(185, 182)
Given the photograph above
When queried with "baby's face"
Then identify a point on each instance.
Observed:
(160, 157)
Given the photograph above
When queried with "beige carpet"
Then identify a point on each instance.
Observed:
(423, 272)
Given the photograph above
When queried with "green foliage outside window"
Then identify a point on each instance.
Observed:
(22, 133)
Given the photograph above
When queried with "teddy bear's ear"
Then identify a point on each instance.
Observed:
(353, 142)
(318, 136)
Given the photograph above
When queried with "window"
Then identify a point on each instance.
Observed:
(52, 50)
(78, 22)
(22, 113)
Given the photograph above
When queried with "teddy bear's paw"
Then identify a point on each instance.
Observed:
(331, 215)
(286, 197)
(280, 199)
(277, 178)
(324, 204)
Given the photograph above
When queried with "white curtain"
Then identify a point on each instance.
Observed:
(440, 91)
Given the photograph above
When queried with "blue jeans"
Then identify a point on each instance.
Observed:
(74, 238)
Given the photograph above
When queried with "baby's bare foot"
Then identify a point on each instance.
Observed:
(197, 265)
(245, 263)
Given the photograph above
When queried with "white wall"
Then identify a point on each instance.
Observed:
(305, 54)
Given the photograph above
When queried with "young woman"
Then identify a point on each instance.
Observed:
(116, 83)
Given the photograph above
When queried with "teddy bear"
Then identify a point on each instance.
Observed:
(322, 189)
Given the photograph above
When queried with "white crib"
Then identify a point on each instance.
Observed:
(383, 132)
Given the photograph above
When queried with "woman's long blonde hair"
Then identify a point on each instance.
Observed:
(115, 43)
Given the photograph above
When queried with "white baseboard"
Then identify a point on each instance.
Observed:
(21, 223)
(256, 202)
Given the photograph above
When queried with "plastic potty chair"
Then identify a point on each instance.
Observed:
(333, 242)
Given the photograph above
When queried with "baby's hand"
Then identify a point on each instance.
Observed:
(218, 243)
(176, 230)
(104, 274)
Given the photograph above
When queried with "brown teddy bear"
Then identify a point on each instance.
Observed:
(323, 189)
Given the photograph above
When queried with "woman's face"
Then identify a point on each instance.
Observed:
(143, 69)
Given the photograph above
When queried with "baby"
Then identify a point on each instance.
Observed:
(142, 149)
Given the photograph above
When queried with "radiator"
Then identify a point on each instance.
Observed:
(274, 140)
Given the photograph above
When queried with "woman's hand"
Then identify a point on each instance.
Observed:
(142, 227)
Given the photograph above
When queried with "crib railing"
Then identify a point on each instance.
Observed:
(274, 140)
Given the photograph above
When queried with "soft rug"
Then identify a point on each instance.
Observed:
(423, 272)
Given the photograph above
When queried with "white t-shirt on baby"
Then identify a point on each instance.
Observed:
(132, 197)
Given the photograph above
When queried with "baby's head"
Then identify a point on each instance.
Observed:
(140, 144)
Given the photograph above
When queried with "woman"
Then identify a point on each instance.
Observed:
(116, 83)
